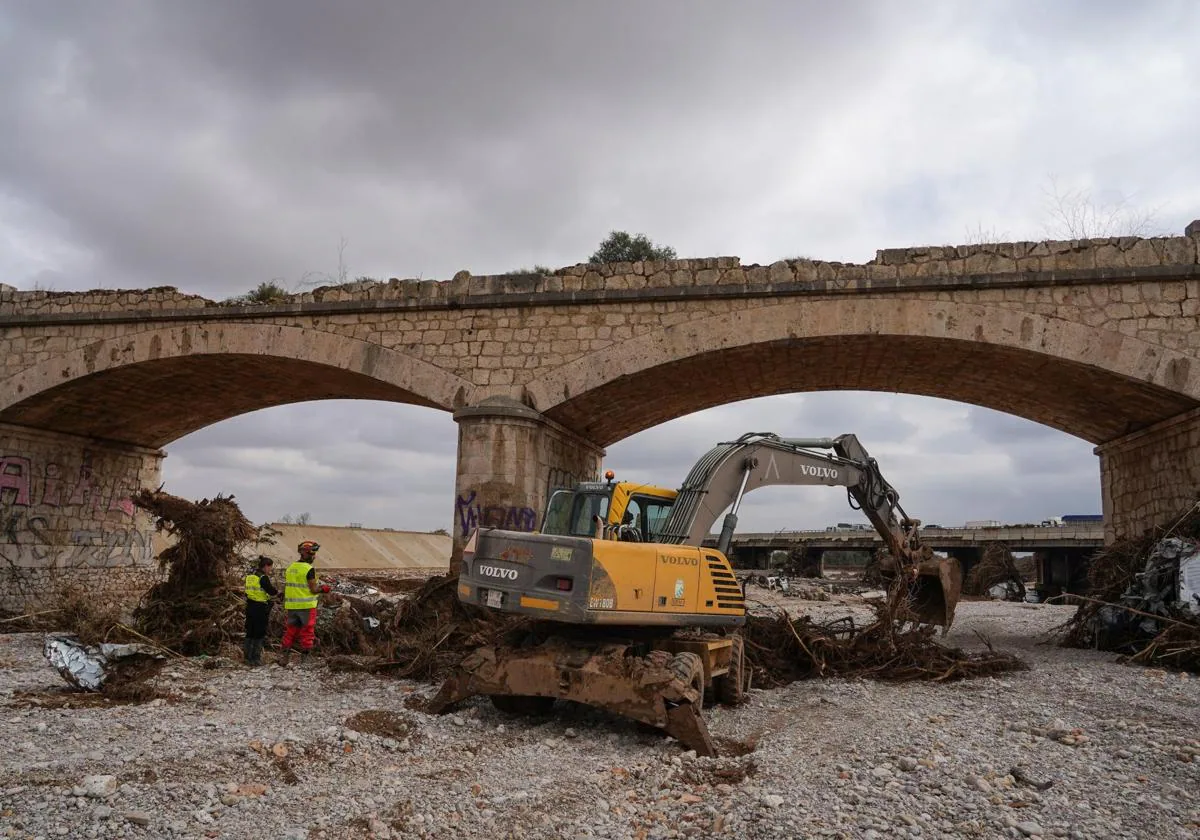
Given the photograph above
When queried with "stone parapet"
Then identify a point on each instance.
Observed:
(940, 267)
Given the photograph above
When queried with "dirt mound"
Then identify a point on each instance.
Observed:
(782, 650)
(382, 722)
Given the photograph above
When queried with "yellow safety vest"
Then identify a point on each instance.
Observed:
(254, 590)
(296, 595)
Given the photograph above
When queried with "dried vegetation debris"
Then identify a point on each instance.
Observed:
(426, 633)
(781, 649)
(996, 569)
(190, 610)
(1138, 602)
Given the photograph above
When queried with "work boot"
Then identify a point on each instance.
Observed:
(256, 648)
(284, 656)
(304, 658)
(248, 651)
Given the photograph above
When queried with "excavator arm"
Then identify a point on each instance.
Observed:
(722, 477)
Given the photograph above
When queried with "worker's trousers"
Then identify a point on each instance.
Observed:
(301, 629)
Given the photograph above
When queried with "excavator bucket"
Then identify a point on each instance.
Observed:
(934, 591)
(645, 689)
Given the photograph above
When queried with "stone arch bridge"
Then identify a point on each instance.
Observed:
(1097, 338)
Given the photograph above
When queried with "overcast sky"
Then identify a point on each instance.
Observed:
(215, 145)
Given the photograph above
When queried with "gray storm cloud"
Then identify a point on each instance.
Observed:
(213, 146)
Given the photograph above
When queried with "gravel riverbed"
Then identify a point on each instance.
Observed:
(1079, 746)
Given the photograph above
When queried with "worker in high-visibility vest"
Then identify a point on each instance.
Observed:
(300, 602)
(259, 592)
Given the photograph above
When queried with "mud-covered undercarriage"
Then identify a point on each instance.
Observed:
(661, 680)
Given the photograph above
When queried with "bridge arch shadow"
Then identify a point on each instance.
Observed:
(156, 386)
(1091, 383)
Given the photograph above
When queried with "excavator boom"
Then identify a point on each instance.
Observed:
(722, 477)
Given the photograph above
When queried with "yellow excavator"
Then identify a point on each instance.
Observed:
(632, 614)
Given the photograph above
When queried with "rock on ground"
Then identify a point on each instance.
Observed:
(1077, 747)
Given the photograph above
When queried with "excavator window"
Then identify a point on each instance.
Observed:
(654, 515)
(558, 513)
(573, 513)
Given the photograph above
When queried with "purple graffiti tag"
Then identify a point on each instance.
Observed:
(520, 519)
(467, 512)
(471, 515)
(15, 475)
(52, 490)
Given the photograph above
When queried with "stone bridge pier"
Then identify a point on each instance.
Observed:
(66, 518)
(510, 457)
(1148, 476)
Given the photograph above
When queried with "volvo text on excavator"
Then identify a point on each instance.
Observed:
(632, 614)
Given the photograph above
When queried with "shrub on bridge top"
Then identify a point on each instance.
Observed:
(619, 246)
(537, 269)
(270, 292)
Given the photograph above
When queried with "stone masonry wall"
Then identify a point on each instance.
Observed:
(1148, 477)
(500, 331)
(66, 519)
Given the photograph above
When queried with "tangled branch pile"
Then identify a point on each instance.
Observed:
(423, 637)
(191, 610)
(996, 566)
(781, 650)
(1125, 609)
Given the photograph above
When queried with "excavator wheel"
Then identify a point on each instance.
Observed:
(730, 688)
(522, 704)
(689, 668)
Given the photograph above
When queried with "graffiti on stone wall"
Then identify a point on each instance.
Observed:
(559, 479)
(472, 513)
(23, 485)
(40, 502)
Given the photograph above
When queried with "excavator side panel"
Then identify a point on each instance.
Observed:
(580, 581)
(622, 577)
(677, 579)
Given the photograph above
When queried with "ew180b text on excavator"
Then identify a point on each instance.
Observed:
(632, 614)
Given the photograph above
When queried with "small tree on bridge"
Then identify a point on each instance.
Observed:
(619, 246)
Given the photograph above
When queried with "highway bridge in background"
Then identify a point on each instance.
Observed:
(1061, 552)
(1019, 538)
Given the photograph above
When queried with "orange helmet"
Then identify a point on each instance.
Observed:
(308, 546)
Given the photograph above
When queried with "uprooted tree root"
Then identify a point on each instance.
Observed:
(782, 650)
(996, 565)
(191, 609)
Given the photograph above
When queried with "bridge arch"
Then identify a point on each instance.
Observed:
(1094, 383)
(155, 386)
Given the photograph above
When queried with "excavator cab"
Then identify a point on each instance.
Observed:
(609, 510)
